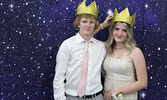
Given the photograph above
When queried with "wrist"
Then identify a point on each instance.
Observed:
(117, 95)
(120, 90)
(101, 26)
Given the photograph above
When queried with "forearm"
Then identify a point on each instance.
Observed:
(97, 30)
(132, 88)
(59, 87)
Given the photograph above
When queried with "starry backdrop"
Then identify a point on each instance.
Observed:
(31, 32)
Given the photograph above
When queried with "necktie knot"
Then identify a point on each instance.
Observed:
(87, 43)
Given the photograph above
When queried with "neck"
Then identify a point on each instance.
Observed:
(119, 46)
(86, 37)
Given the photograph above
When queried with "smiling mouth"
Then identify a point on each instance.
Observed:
(119, 37)
(88, 29)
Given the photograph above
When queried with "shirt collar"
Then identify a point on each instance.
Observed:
(80, 39)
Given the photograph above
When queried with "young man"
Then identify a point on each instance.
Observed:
(79, 60)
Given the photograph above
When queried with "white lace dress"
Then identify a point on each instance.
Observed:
(119, 73)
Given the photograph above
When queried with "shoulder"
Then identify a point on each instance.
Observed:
(72, 38)
(136, 50)
(69, 40)
(137, 53)
(100, 42)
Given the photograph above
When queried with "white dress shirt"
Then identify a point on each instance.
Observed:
(69, 63)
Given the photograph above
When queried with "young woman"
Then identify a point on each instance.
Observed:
(124, 63)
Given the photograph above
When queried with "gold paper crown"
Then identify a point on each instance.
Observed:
(90, 9)
(123, 16)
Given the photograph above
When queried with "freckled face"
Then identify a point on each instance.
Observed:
(86, 26)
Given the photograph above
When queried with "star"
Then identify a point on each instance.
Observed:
(11, 6)
(146, 5)
(143, 95)
(109, 12)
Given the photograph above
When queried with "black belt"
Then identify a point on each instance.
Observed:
(91, 96)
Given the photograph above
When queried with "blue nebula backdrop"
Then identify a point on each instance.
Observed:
(31, 32)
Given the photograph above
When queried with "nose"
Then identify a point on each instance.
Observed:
(119, 32)
(88, 24)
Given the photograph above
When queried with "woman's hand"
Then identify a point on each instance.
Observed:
(107, 21)
(108, 94)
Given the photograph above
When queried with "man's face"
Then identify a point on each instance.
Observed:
(86, 26)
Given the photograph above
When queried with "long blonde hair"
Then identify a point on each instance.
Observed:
(130, 42)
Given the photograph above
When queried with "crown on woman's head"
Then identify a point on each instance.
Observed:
(123, 16)
(90, 9)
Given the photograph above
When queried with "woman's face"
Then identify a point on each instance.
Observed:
(120, 33)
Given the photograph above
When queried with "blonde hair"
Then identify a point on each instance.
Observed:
(79, 17)
(130, 42)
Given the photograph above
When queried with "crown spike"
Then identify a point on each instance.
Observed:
(123, 16)
(133, 19)
(116, 12)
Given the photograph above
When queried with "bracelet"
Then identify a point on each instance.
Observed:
(101, 26)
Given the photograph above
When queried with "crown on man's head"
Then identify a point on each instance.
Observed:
(123, 16)
(90, 9)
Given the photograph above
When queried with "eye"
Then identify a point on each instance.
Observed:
(116, 28)
(92, 22)
(84, 21)
(124, 30)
